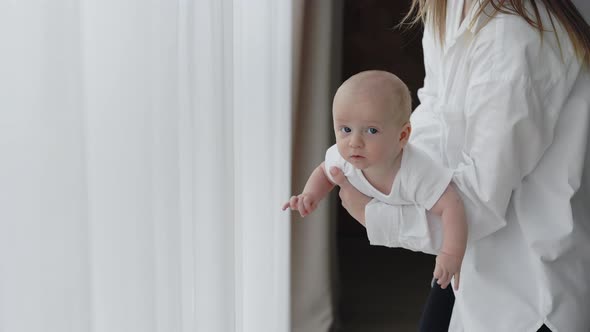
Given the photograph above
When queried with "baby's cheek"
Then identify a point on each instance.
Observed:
(341, 145)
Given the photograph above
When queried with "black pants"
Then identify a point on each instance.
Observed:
(436, 314)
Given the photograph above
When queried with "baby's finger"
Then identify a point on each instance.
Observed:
(293, 202)
(301, 206)
(444, 280)
(448, 281)
(457, 275)
(286, 205)
(437, 272)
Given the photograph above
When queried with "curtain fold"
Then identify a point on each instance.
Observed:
(263, 46)
(210, 150)
(42, 154)
(314, 269)
(143, 159)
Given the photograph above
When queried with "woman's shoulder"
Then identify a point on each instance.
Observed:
(513, 48)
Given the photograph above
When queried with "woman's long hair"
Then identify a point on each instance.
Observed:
(564, 10)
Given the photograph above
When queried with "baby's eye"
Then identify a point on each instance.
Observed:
(372, 130)
(345, 129)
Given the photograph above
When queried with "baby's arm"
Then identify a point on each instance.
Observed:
(448, 263)
(317, 187)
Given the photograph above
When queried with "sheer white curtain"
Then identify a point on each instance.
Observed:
(144, 154)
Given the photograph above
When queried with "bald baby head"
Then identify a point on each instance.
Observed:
(376, 89)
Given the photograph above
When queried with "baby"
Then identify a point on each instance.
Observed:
(371, 113)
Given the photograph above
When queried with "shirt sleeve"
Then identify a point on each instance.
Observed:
(402, 226)
(427, 180)
(334, 159)
(512, 105)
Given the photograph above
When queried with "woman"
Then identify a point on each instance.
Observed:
(506, 105)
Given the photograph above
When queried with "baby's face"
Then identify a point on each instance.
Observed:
(367, 134)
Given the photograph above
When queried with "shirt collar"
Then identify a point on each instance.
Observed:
(455, 27)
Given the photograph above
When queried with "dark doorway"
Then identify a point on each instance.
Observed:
(379, 289)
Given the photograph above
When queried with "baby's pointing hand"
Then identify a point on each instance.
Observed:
(304, 203)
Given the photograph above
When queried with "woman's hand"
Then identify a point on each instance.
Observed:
(352, 200)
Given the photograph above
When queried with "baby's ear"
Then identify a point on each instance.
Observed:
(405, 133)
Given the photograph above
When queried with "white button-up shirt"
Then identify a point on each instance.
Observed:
(511, 116)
